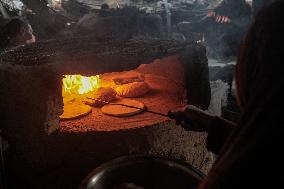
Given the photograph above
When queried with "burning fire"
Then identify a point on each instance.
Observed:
(78, 84)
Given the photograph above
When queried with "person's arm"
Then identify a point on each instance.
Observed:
(194, 119)
(218, 132)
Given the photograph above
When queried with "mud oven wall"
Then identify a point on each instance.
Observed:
(43, 155)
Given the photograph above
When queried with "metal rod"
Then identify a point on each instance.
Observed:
(144, 109)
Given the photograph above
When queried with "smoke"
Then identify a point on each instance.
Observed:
(15, 5)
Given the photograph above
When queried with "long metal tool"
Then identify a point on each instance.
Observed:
(178, 119)
(144, 109)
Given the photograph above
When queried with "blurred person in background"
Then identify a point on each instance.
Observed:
(224, 26)
(16, 32)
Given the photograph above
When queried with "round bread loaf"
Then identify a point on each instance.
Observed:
(134, 89)
(101, 97)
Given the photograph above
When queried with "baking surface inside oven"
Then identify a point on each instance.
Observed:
(162, 95)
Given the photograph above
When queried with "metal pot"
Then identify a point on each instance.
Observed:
(142, 172)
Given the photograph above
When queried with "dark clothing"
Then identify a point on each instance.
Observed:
(258, 4)
(218, 133)
(252, 153)
(234, 9)
(224, 38)
(252, 156)
(230, 34)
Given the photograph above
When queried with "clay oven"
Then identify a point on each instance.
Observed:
(43, 148)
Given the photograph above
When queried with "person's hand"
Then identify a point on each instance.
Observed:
(222, 19)
(192, 118)
(219, 18)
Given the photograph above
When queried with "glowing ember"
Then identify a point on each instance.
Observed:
(78, 84)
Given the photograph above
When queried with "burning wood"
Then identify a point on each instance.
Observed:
(77, 84)
(73, 89)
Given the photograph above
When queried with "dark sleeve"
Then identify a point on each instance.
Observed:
(257, 5)
(234, 10)
(218, 133)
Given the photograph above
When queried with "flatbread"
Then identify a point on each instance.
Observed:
(128, 77)
(75, 110)
(101, 97)
(122, 111)
(134, 89)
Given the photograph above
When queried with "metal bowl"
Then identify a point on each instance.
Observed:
(140, 172)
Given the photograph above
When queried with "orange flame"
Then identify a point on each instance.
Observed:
(78, 84)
